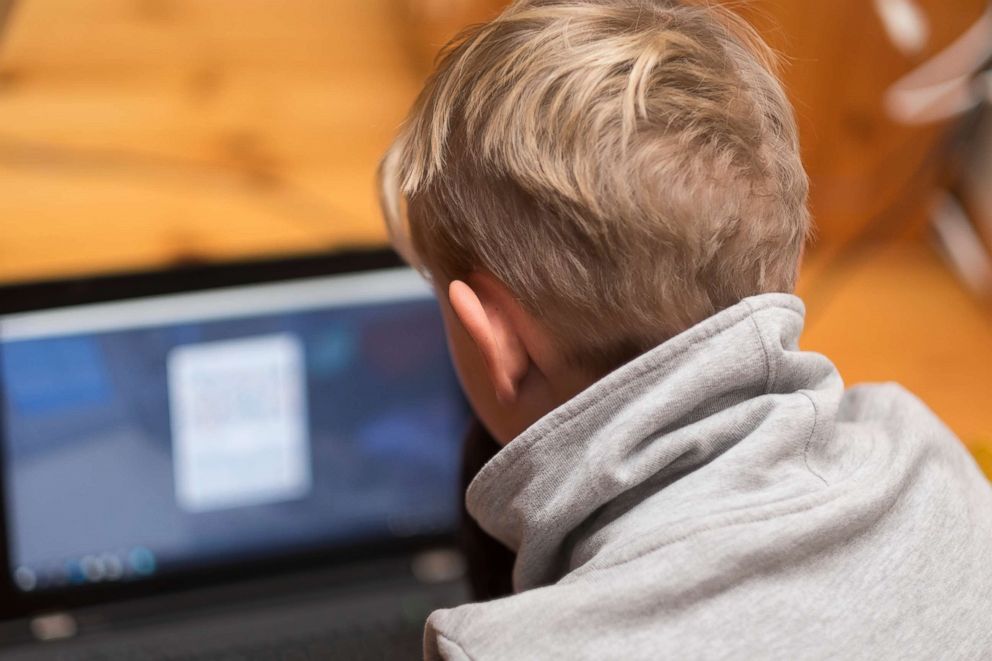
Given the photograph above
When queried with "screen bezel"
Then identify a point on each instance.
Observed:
(44, 295)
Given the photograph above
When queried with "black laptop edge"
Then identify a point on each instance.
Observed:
(16, 605)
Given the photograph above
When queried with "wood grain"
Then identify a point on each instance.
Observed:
(143, 132)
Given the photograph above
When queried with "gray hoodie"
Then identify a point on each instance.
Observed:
(723, 496)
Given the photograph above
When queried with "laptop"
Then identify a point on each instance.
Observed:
(237, 461)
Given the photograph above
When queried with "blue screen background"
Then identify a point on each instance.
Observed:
(88, 445)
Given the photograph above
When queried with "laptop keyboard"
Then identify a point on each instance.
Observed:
(395, 640)
(379, 618)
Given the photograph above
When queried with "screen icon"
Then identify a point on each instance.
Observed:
(239, 423)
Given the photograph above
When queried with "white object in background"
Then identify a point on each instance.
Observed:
(905, 23)
(53, 626)
(961, 245)
(239, 423)
(947, 84)
(976, 176)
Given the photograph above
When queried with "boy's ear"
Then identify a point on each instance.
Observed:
(482, 310)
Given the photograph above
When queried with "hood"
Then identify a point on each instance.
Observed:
(728, 413)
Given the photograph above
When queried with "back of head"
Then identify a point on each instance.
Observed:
(626, 168)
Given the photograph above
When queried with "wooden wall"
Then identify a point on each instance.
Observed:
(137, 132)
(838, 62)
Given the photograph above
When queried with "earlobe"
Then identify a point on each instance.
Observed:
(491, 329)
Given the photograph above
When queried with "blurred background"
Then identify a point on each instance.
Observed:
(148, 133)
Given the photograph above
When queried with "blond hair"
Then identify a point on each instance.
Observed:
(625, 168)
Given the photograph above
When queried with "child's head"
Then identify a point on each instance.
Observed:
(622, 169)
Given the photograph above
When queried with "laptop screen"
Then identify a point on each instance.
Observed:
(151, 436)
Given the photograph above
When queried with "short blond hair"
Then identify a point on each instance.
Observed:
(625, 168)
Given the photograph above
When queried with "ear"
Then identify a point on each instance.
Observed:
(483, 313)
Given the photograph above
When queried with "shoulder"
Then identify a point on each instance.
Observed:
(885, 399)
(627, 612)
(547, 623)
(904, 429)
(897, 411)
(441, 639)
(492, 629)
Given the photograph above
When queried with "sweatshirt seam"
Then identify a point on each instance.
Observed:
(764, 350)
(454, 642)
(809, 439)
(770, 380)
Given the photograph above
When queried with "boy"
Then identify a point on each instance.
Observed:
(609, 199)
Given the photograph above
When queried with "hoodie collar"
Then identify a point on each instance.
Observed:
(553, 494)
